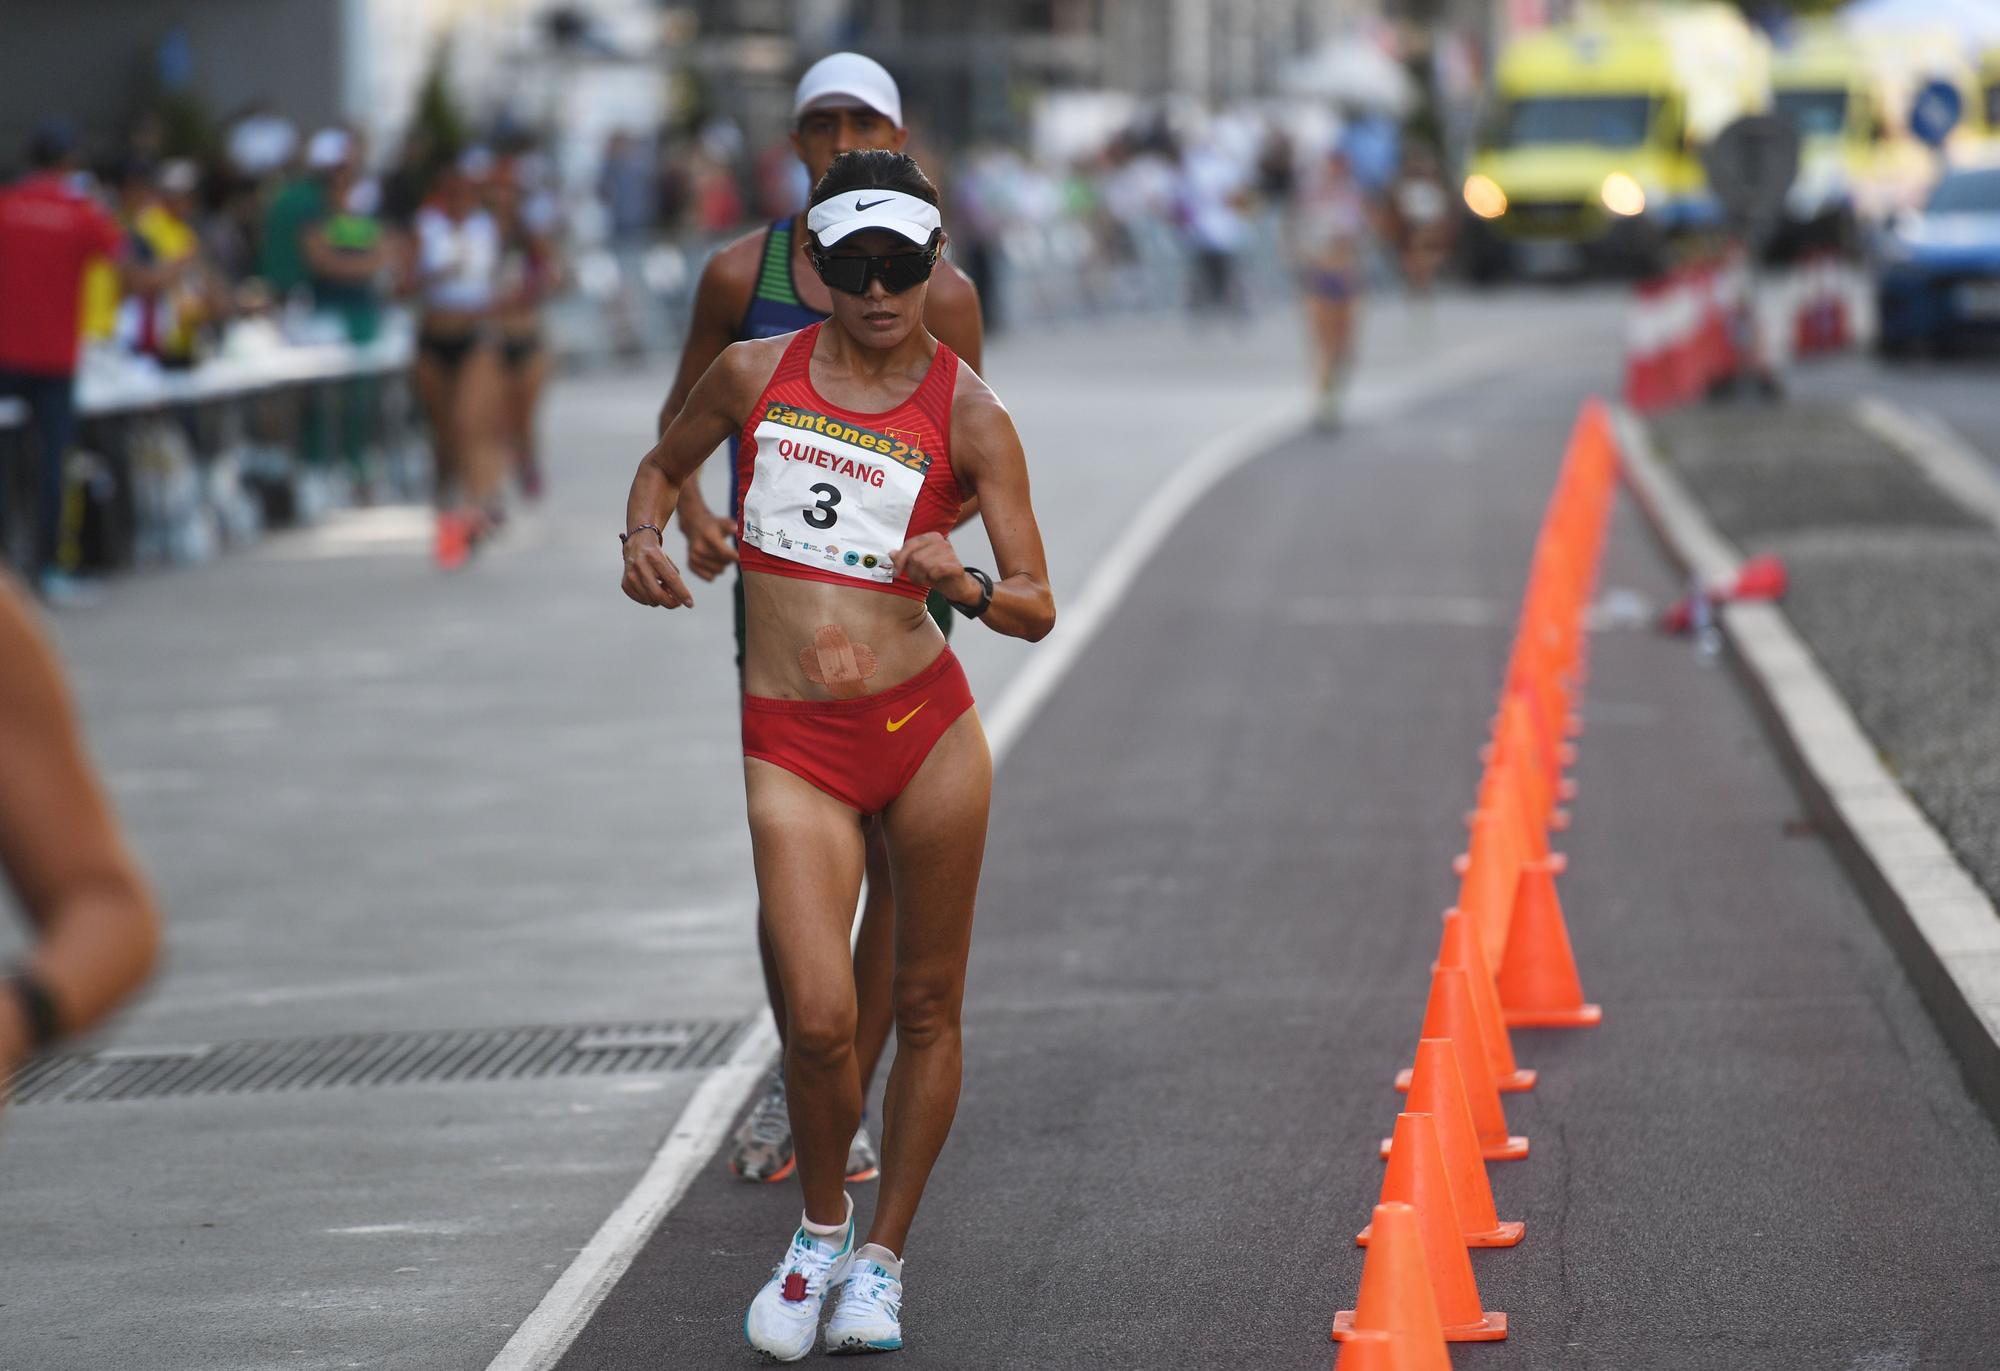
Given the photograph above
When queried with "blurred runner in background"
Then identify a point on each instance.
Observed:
(96, 930)
(530, 273)
(760, 286)
(1333, 216)
(458, 366)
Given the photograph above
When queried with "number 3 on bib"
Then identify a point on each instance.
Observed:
(814, 472)
(821, 515)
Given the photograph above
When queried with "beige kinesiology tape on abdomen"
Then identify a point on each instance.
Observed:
(834, 662)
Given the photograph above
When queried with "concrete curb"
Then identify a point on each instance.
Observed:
(1942, 925)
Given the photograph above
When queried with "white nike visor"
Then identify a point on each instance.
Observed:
(857, 211)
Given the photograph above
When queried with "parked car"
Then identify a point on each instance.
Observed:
(1937, 269)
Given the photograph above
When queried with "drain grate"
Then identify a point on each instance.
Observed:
(374, 1059)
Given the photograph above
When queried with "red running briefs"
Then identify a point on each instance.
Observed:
(862, 752)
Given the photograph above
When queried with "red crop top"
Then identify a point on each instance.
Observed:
(829, 494)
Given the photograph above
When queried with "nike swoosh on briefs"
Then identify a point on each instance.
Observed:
(858, 207)
(895, 724)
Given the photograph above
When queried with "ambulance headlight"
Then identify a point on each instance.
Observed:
(1622, 195)
(1484, 197)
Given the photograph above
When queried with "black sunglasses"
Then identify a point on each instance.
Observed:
(897, 271)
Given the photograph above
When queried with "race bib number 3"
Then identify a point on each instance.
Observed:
(828, 494)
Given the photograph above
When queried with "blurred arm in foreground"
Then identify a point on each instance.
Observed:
(96, 929)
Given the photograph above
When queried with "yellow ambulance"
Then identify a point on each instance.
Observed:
(1591, 156)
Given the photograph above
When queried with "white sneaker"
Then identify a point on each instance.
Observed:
(784, 1317)
(868, 1312)
(762, 1147)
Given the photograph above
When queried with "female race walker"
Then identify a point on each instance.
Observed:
(859, 439)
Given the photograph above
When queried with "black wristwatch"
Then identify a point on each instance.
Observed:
(985, 594)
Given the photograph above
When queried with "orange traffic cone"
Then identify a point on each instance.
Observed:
(1396, 1294)
(1538, 984)
(1377, 1349)
(1450, 1007)
(1488, 874)
(1461, 947)
(1416, 1167)
(1515, 740)
(1503, 842)
(1438, 1090)
(1506, 788)
(1420, 1175)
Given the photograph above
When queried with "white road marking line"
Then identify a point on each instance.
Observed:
(540, 1342)
(1931, 445)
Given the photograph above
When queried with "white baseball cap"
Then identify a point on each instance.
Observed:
(846, 79)
(853, 211)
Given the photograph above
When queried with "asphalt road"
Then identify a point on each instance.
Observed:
(380, 800)
(1212, 882)
(1958, 390)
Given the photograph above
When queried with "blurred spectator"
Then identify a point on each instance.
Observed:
(260, 142)
(49, 233)
(625, 184)
(629, 189)
(1277, 178)
(782, 186)
(409, 181)
(1370, 143)
(979, 212)
(229, 234)
(718, 207)
(300, 202)
(1420, 218)
(343, 245)
(1214, 192)
(192, 295)
(347, 259)
(143, 280)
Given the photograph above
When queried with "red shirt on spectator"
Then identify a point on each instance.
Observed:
(48, 234)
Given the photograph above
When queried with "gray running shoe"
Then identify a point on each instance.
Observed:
(762, 1147)
(862, 1163)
